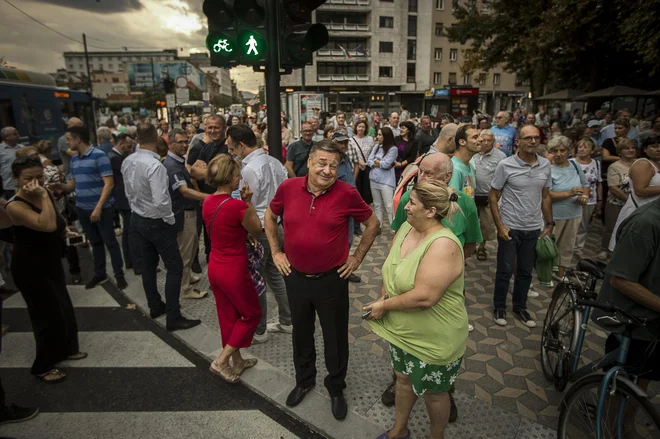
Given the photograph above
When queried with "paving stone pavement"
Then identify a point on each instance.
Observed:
(501, 366)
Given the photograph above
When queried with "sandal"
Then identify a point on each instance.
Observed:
(53, 376)
(481, 254)
(225, 373)
(247, 363)
(78, 356)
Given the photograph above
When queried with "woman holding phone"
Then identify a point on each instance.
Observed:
(39, 239)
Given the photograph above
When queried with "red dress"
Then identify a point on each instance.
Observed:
(236, 299)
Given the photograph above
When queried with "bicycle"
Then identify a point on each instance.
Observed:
(607, 389)
(565, 323)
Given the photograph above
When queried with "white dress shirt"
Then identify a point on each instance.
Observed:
(147, 186)
(263, 174)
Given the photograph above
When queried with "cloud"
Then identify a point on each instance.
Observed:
(141, 25)
(104, 6)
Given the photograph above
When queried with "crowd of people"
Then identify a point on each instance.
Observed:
(444, 190)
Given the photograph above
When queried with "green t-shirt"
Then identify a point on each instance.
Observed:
(463, 178)
(436, 335)
(465, 224)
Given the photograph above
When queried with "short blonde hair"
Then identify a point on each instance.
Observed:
(43, 146)
(436, 194)
(222, 170)
(26, 151)
(621, 142)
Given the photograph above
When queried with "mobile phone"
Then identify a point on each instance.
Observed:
(75, 240)
(366, 314)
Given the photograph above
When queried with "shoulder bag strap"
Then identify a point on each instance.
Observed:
(215, 213)
(359, 149)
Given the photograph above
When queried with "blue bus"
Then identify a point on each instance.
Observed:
(33, 104)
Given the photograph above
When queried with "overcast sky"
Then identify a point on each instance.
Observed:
(109, 24)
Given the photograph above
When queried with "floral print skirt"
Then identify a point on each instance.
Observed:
(425, 377)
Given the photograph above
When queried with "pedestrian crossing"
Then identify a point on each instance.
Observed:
(138, 381)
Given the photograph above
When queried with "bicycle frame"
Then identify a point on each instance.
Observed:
(610, 375)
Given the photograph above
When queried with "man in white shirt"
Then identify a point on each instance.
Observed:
(147, 190)
(263, 174)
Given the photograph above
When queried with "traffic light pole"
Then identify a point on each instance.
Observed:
(273, 83)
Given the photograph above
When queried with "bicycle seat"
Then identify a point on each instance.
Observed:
(596, 269)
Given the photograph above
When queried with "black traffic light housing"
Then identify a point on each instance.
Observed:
(299, 37)
(237, 32)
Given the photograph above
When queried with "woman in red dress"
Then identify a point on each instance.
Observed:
(228, 222)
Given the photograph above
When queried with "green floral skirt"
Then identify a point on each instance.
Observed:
(431, 377)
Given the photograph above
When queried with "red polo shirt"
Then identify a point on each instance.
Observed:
(316, 228)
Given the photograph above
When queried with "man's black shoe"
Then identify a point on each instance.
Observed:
(121, 282)
(354, 278)
(388, 395)
(181, 323)
(137, 271)
(129, 266)
(155, 313)
(339, 407)
(453, 411)
(195, 267)
(297, 395)
(13, 413)
(96, 280)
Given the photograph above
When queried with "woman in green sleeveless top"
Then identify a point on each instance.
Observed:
(421, 311)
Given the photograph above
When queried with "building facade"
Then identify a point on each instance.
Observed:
(383, 54)
(113, 62)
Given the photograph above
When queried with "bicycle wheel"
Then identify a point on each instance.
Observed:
(560, 330)
(577, 419)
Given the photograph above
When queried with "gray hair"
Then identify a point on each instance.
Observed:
(558, 141)
(104, 133)
(131, 131)
(174, 131)
(312, 117)
(487, 131)
(6, 131)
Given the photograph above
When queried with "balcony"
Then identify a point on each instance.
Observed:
(332, 4)
(342, 78)
(338, 53)
(345, 27)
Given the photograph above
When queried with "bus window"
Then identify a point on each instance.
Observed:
(6, 114)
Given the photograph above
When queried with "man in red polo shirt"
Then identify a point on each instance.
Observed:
(315, 210)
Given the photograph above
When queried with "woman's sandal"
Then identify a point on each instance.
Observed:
(53, 376)
(247, 363)
(224, 372)
(481, 254)
(78, 356)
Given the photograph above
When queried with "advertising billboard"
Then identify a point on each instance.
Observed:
(148, 75)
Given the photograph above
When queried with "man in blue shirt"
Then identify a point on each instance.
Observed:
(345, 174)
(92, 179)
(104, 135)
(505, 134)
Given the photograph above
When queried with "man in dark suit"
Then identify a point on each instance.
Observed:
(117, 154)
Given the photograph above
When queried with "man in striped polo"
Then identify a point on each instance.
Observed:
(92, 179)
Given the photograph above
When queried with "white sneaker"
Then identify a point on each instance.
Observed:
(257, 339)
(470, 327)
(278, 327)
(500, 317)
(531, 294)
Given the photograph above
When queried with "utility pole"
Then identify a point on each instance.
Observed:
(273, 83)
(89, 88)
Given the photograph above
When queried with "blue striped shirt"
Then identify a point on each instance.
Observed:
(88, 171)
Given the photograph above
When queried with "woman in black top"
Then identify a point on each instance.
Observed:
(407, 146)
(37, 270)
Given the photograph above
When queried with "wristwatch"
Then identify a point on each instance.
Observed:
(550, 223)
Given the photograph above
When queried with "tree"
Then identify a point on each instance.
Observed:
(582, 44)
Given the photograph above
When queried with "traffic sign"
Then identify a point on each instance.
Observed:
(182, 82)
(182, 95)
(169, 99)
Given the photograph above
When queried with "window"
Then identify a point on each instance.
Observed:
(115, 79)
(439, 27)
(482, 79)
(412, 25)
(496, 79)
(70, 66)
(438, 54)
(440, 4)
(520, 81)
(437, 77)
(80, 66)
(454, 5)
(386, 46)
(100, 66)
(387, 22)
(109, 66)
(412, 5)
(453, 54)
(452, 78)
(337, 68)
(467, 78)
(385, 72)
(412, 50)
(387, 1)
(410, 73)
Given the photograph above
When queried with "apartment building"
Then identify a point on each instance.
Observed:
(113, 62)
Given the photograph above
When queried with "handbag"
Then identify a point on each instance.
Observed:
(362, 182)
(481, 200)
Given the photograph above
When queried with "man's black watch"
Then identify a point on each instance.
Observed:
(550, 223)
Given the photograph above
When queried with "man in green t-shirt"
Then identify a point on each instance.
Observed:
(465, 225)
(468, 143)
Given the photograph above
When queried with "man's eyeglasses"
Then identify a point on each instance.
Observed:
(307, 131)
(180, 142)
(530, 138)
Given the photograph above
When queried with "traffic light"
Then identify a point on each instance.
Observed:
(299, 38)
(237, 32)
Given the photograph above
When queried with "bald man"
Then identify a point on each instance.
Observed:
(445, 142)
(63, 147)
(465, 225)
(505, 134)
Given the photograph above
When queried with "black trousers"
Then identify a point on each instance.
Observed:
(3, 401)
(326, 296)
